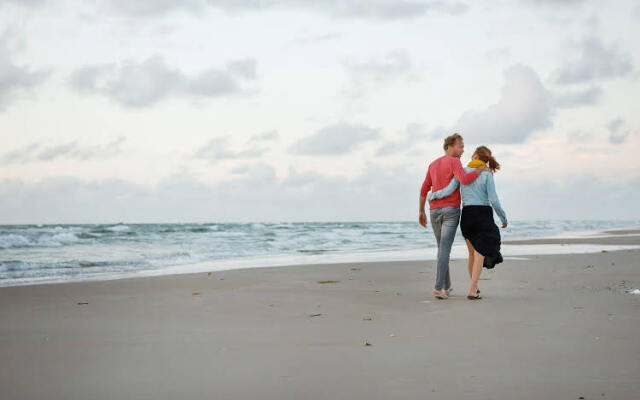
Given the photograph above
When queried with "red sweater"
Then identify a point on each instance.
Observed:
(439, 174)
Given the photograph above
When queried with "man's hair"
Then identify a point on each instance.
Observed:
(451, 140)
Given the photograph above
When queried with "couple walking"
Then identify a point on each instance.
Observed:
(448, 182)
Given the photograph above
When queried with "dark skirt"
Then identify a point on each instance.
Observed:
(478, 227)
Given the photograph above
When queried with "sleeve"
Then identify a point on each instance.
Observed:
(493, 198)
(453, 185)
(464, 177)
(426, 185)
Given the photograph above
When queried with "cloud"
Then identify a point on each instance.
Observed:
(19, 156)
(616, 134)
(394, 64)
(69, 150)
(264, 136)
(149, 8)
(16, 80)
(22, 2)
(218, 149)
(335, 139)
(369, 9)
(143, 84)
(577, 98)
(375, 73)
(594, 61)
(413, 135)
(379, 193)
(524, 107)
(385, 9)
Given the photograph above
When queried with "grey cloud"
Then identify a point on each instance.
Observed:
(318, 39)
(219, 149)
(245, 68)
(524, 107)
(144, 84)
(335, 139)
(413, 135)
(57, 151)
(19, 156)
(23, 2)
(70, 150)
(394, 64)
(616, 134)
(258, 173)
(594, 61)
(16, 80)
(387, 9)
(147, 8)
(264, 136)
(576, 98)
(379, 193)
(369, 9)
(374, 73)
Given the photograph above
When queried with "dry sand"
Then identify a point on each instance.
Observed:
(549, 327)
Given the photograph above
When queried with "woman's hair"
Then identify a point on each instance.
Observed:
(484, 154)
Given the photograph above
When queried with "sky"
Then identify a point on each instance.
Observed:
(312, 110)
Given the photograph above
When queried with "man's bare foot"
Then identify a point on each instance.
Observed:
(440, 294)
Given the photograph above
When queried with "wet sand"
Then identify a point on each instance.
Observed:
(556, 327)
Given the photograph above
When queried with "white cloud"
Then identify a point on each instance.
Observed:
(575, 98)
(369, 9)
(218, 149)
(143, 84)
(594, 61)
(335, 139)
(16, 80)
(616, 134)
(69, 150)
(525, 106)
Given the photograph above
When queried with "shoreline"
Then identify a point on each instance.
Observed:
(583, 243)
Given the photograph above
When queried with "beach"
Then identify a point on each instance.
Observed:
(548, 326)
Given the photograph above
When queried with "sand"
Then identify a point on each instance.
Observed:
(549, 327)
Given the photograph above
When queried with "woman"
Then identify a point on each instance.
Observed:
(477, 225)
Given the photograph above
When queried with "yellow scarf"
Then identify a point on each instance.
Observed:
(476, 164)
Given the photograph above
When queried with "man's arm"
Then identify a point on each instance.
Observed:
(464, 177)
(426, 186)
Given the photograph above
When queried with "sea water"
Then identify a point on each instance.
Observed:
(31, 254)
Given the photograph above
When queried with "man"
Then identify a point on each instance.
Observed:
(445, 212)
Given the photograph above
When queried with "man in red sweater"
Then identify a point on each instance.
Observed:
(445, 212)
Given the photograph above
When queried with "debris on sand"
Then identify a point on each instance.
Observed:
(315, 315)
(329, 281)
(196, 293)
(366, 343)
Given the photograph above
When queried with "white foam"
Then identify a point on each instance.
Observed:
(634, 291)
(12, 240)
(118, 228)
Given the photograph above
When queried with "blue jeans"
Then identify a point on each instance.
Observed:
(444, 221)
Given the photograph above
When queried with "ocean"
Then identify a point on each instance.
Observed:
(31, 254)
